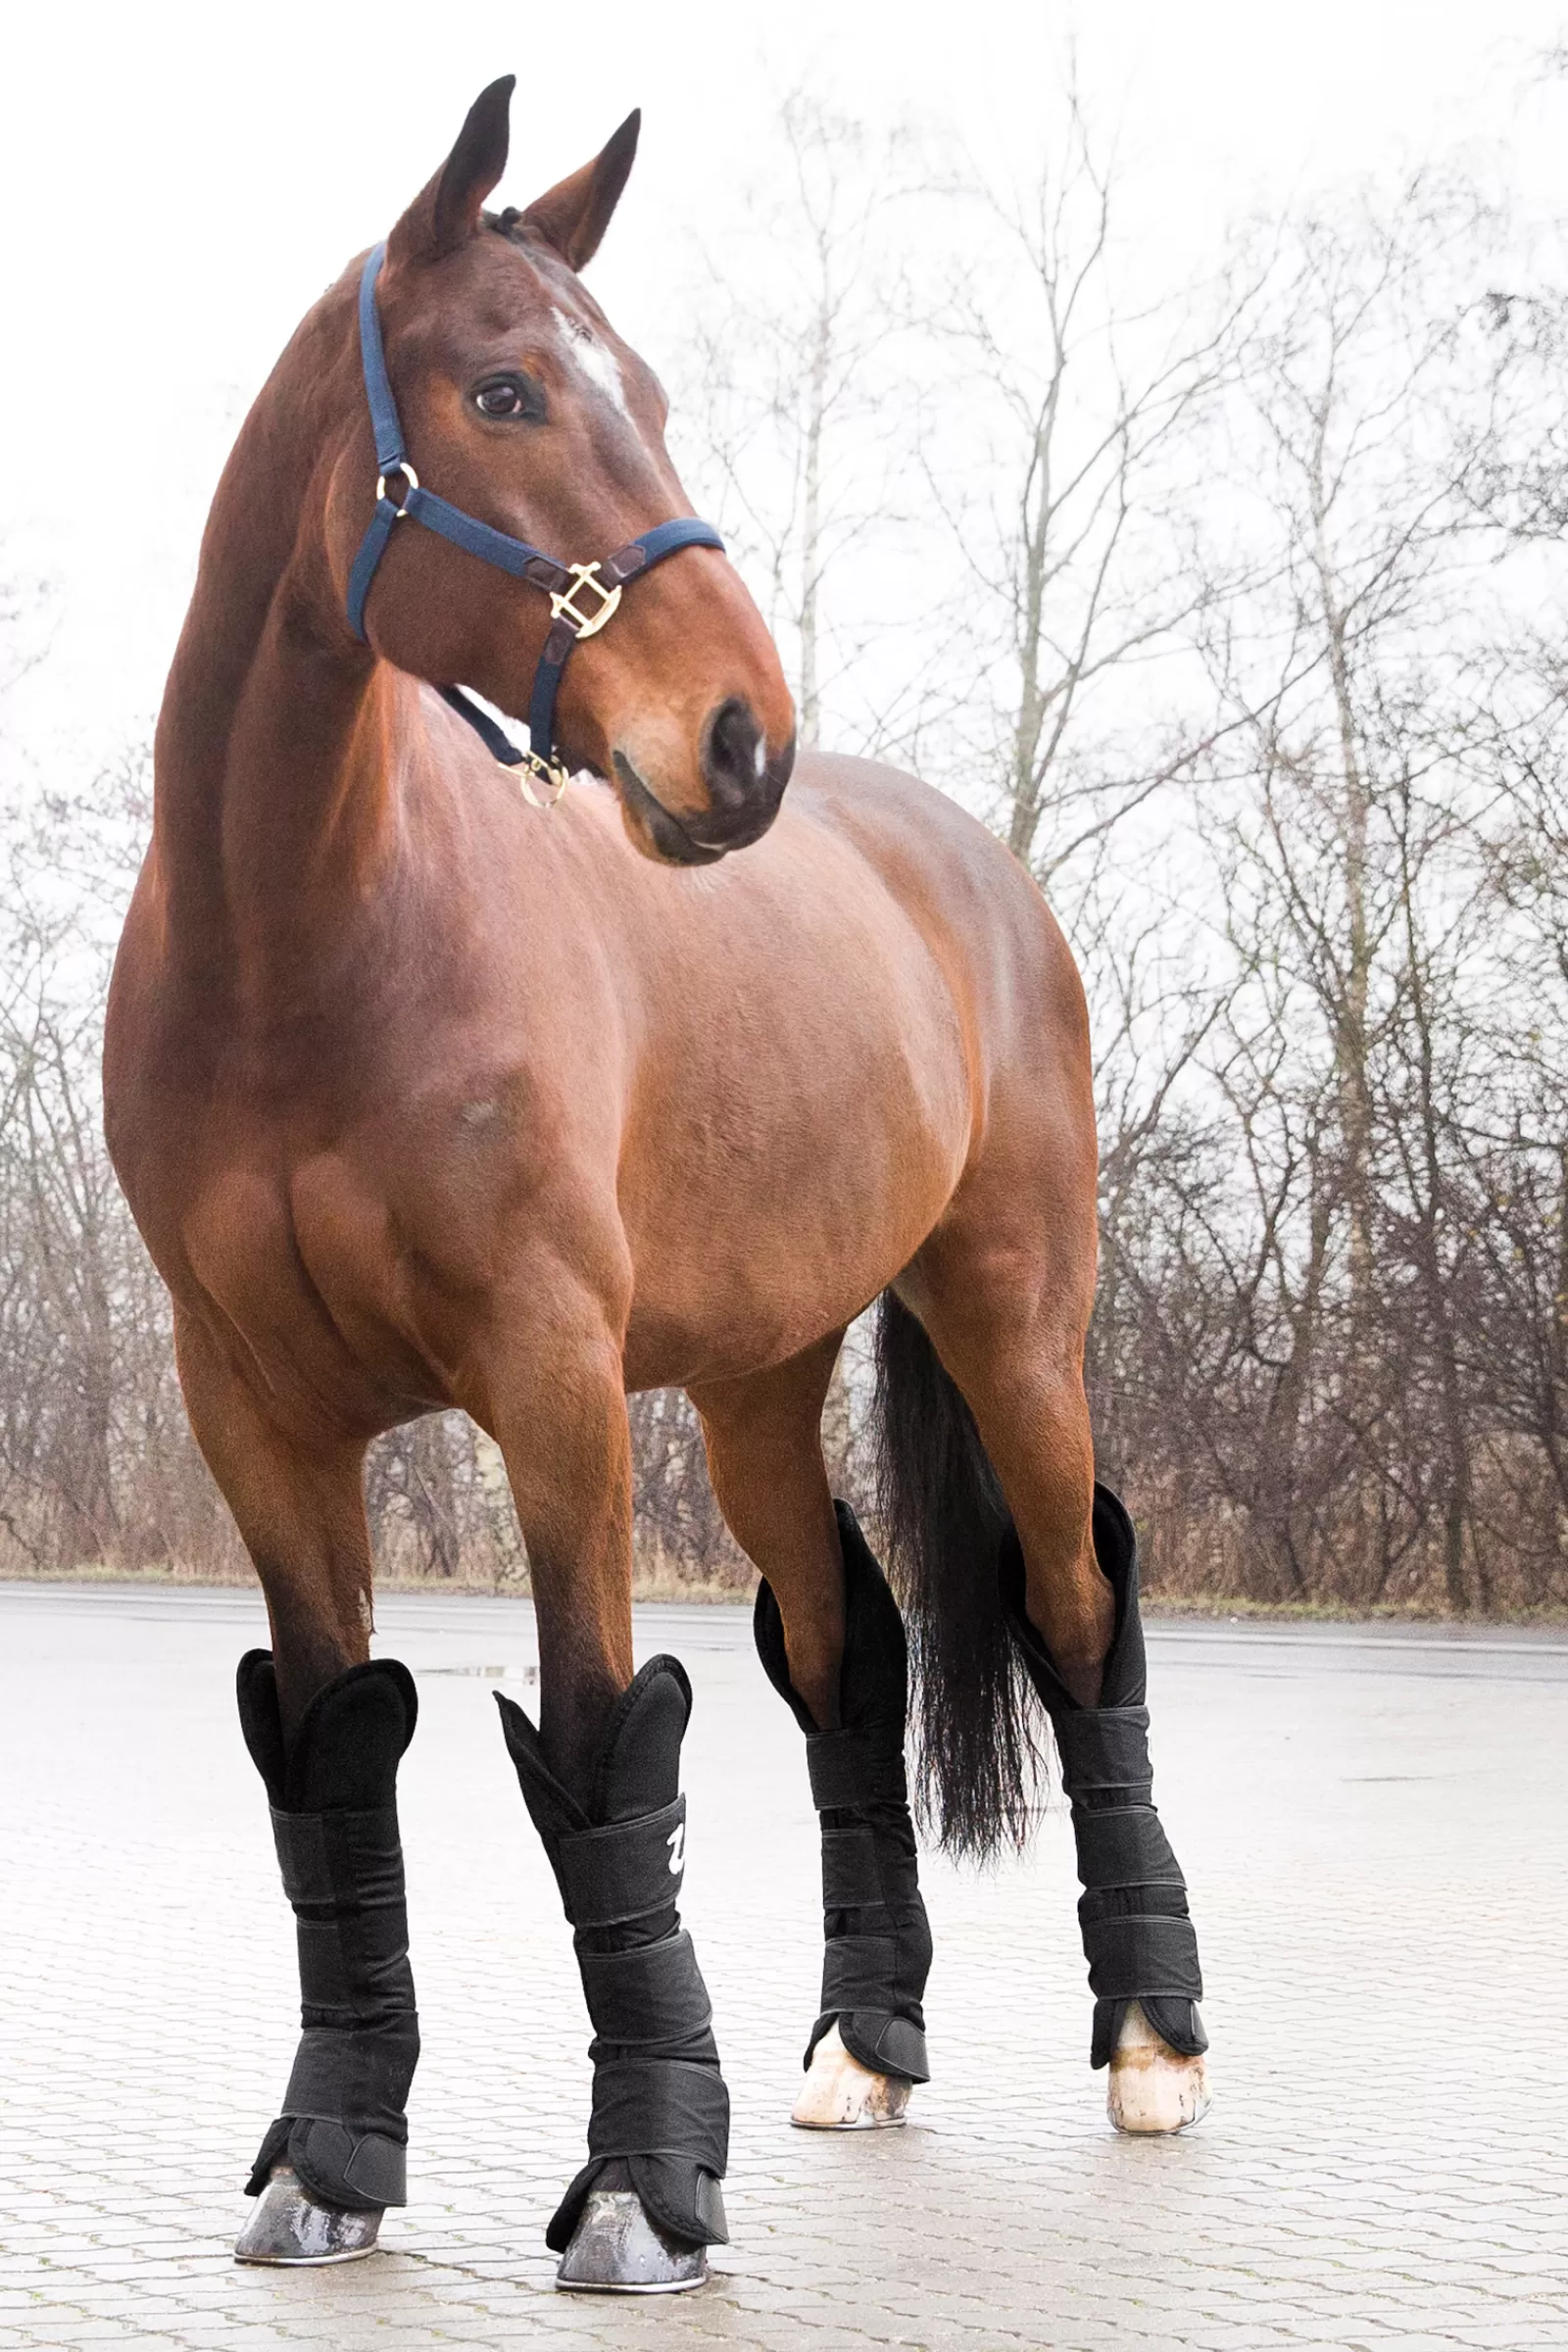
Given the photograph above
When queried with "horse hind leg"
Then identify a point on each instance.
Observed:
(1069, 1578)
(832, 1644)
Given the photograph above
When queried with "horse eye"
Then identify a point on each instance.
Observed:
(506, 397)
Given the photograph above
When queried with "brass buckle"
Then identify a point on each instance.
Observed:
(548, 772)
(584, 575)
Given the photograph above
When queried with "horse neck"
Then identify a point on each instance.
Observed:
(272, 804)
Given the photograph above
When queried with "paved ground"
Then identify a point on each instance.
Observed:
(1373, 1825)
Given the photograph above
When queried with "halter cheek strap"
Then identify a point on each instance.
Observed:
(583, 597)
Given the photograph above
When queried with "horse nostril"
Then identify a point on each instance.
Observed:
(735, 757)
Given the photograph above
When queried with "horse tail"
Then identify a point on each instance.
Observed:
(942, 1518)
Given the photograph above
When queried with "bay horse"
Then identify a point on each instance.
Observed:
(425, 1097)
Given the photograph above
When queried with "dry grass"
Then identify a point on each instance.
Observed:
(658, 1577)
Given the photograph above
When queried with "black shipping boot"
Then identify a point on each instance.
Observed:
(661, 2113)
(1138, 1939)
(878, 1944)
(333, 1793)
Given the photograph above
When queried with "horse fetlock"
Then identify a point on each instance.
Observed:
(1153, 2087)
(877, 1947)
(658, 2131)
(337, 2148)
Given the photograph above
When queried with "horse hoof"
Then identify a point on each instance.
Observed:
(839, 2094)
(1154, 2088)
(616, 2249)
(287, 2227)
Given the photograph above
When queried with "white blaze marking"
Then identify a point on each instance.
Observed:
(597, 364)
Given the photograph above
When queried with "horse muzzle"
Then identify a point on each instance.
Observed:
(743, 782)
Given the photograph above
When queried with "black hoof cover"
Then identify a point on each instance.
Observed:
(1138, 1939)
(878, 1945)
(334, 1792)
(659, 2099)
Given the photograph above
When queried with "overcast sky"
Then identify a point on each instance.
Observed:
(181, 182)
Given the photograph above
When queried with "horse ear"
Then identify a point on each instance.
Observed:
(446, 214)
(575, 214)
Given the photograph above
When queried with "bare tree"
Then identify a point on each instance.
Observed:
(1059, 462)
(786, 415)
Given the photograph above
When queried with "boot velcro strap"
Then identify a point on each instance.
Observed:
(851, 1875)
(624, 1871)
(885, 2044)
(858, 1971)
(660, 2107)
(352, 1978)
(357, 2170)
(1150, 1953)
(343, 1875)
(847, 1771)
(653, 1994)
(1126, 1845)
(357, 2077)
(1104, 1747)
(330, 1858)
(859, 1869)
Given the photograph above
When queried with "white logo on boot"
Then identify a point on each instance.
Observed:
(677, 1843)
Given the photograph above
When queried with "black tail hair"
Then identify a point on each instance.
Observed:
(977, 1761)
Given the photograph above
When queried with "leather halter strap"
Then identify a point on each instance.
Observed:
(571, 588)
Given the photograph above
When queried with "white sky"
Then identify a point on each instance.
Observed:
(177, 182)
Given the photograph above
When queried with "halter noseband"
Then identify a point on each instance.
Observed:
(568, 585)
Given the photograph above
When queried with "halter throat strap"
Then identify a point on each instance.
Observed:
(583, 597)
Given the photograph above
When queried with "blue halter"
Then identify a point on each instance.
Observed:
(564, 583)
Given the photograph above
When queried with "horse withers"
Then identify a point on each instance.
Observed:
(425, 1098)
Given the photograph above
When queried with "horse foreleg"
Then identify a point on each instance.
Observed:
(599, 1775)
(325, 1728)
(1070, 1583)
(832, 1642)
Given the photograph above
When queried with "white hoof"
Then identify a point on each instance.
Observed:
(839, 2094)
(1153, 2087)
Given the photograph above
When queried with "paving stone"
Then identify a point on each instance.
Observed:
(1381, 1919)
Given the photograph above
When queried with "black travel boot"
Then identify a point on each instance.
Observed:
(639, 2214)
(878, 1944)
(1138, 1939)
(335, 2156)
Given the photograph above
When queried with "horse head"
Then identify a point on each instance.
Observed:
(522, 407)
